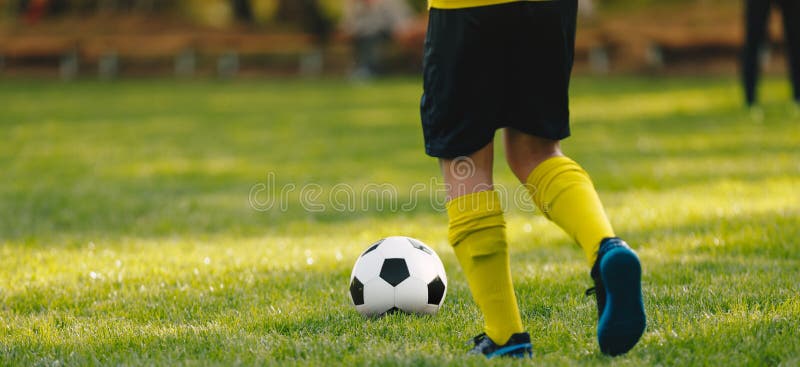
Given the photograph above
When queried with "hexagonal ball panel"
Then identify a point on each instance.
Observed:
(378, 298)
(411, 295)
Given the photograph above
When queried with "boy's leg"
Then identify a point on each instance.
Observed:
(565, 194)
(756, 17)
(791, 30)
(477, 234)
(560, 188)
(464, 60)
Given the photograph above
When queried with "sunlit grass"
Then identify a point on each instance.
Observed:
(127, 234)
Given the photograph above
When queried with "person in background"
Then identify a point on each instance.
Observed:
(756, 21)
(34, 10)
(586, 8)
(371, 24)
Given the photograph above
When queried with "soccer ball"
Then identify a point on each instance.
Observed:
(398, 274)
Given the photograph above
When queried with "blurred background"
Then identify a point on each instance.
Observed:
(243, 38)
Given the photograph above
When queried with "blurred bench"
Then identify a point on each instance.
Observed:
(111, 53)
(653, 42)
(47, 50)
(694, 35)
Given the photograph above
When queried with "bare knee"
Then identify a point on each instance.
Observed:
(524, 152)
(465, 175)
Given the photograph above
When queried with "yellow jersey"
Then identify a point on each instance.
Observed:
(456, 4)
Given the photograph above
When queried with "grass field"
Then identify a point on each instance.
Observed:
(128, 233)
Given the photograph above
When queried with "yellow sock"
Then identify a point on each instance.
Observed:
(564, 192)
(477, 232)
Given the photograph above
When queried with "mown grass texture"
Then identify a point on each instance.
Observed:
(129, 229)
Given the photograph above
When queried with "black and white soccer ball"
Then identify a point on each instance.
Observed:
(398, 274)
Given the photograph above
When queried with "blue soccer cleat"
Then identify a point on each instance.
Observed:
(617, 277)
(518, 346)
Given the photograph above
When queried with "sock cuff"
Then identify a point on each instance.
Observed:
(539, 180)
(474, 203)
(545, 170)
(473, 212)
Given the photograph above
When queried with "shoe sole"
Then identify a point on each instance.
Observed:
(514, 351)
(623, 320)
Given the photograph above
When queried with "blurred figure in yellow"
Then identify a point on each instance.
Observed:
(756, 20)
(371, 24)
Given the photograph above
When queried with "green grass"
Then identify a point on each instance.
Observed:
(127, 236)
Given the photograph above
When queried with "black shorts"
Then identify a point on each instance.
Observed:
(496, 66)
